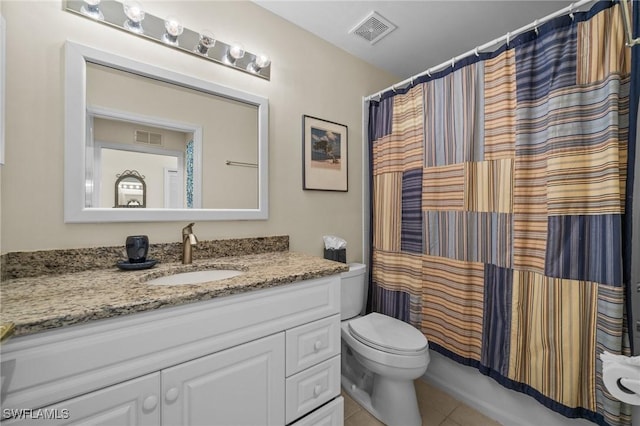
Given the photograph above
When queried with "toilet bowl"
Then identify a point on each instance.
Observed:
(381, 357)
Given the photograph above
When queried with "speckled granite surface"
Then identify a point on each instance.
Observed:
(56, 262)
(36, 304)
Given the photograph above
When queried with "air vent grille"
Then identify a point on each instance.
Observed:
(148, 138)
(373, 28)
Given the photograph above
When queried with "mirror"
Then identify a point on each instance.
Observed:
(130, 190)
(188, 137)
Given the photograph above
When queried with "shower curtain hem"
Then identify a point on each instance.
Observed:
(574, 413)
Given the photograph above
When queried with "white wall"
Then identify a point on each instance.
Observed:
(309, 76)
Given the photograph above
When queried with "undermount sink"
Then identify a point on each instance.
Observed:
(196, 277)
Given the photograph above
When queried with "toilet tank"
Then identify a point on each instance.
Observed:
(353, 290)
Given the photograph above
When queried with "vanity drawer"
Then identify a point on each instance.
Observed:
(311, 388)
(312, 343)
(331, 414)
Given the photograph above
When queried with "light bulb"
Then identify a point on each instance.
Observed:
(91, 9)
(206, 42)
(174, 29)
(263, 61)
(135, 13)
(235, 52)
(173, 26)
(260, 61)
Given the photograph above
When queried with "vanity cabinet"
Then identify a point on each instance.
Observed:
(312, 366)
(132, 403)
(266, 357)
(238, 386)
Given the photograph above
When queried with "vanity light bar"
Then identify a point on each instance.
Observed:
(170, 33)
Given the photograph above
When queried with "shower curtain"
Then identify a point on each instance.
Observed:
(498, 196)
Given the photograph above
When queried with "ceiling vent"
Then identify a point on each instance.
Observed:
(149, 138)
(373, 28)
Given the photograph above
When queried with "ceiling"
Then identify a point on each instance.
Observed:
(428, 33)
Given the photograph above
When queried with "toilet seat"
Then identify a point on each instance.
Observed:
(388, 334)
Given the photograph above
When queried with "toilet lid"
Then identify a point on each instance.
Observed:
(388, 334)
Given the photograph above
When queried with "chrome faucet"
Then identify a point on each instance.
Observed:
(188, 239)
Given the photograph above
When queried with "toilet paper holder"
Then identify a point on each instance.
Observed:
(621, 377)
(630, 386)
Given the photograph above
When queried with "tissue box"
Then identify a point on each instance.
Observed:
(339, 255)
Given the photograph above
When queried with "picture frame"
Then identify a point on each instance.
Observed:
(324, 155)
(2, 86)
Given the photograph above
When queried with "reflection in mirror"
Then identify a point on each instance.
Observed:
(158, 115)
(130, 190)
(164, 156)
(186, 136)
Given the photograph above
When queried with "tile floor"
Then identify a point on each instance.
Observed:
(436, 407)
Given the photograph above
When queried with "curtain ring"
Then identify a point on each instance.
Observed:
(571, 11)
(411, 82)
(394, 89)
(508, 38)
(535, 23)
(429, 72)
(476, 52)
(453, 62)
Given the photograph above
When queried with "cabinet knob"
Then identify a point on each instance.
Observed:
(150, 403)
(317, 345)
(317, 390)
(171, 395)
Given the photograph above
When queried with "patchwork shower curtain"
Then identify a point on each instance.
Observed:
(498, 192)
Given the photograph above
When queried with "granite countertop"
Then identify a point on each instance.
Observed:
(36, 304)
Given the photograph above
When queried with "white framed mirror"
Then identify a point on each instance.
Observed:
(189, 137)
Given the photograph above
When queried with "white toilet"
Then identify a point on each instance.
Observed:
(381, 356)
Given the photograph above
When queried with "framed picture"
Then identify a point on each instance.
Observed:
(324, 155)
(2, 85)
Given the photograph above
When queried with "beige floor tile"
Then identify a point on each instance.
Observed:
(467, 416)
(432, 399)
(350, 406)
(449, 422)
(431, 417)
(362, 418)
(436, 408)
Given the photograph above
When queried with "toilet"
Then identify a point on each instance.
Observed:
(381, 356)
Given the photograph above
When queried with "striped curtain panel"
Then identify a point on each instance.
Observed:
(498, 195)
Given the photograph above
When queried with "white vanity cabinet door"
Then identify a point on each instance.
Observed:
(243, 385)
(133, 403)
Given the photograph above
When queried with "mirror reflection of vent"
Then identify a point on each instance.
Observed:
(373, 28)
(149, 138)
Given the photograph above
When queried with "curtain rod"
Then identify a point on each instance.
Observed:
(573, 7)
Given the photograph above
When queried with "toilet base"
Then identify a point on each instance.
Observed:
(359, 396)
(396, 401)
(388, 402)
